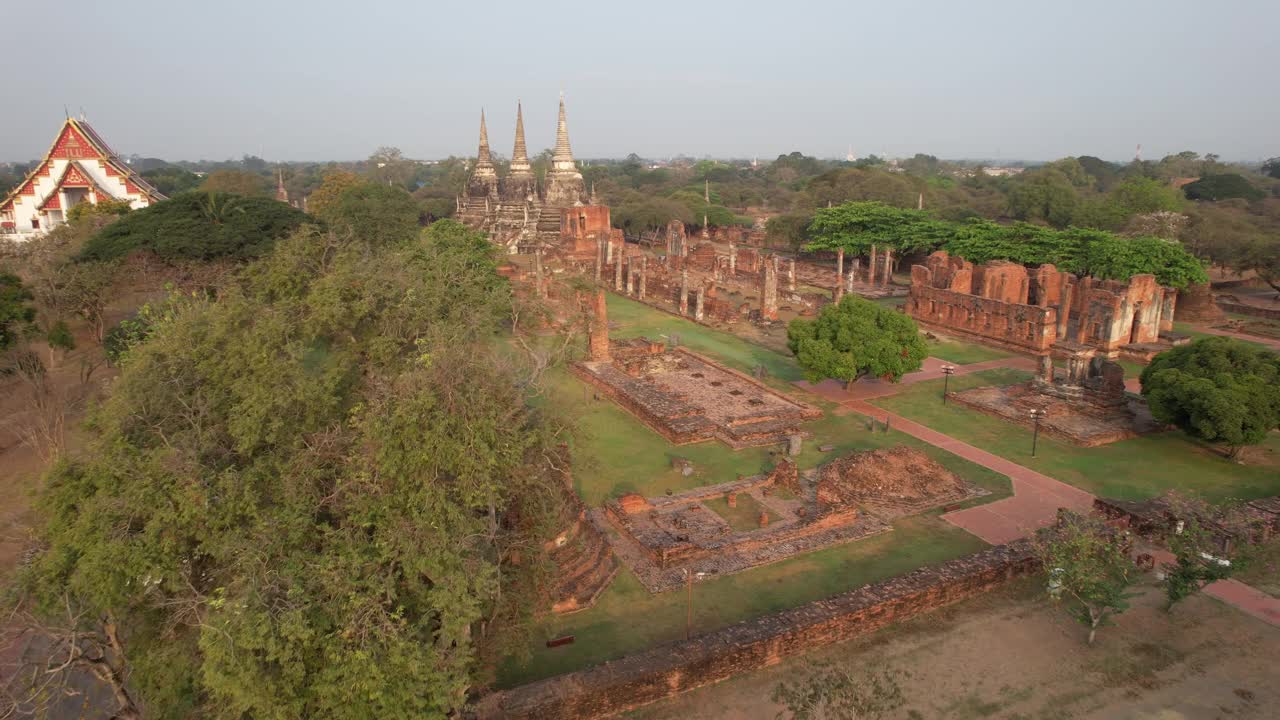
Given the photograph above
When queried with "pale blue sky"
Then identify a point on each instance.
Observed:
(959, 78)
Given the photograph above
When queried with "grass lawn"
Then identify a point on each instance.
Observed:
(637, 319)
(628, 619)
(1194, 334)
(961, 352)
(1131, 469)
(744, 516)
(1131, 369)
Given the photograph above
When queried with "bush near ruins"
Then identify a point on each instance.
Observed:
(1088, 568)
(855, 338)
(1217, 389)
(198, 226)
(323, 493)
(16, 312)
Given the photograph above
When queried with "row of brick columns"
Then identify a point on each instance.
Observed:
(882, 275)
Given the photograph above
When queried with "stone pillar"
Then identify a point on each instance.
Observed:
(871, 267)
(599, 259)
(608, 252)
(698, 300)
(848, 280)
(769, 293)
(617, 272)
(888, 266)
(631, 276)
(1046, 368)
(839, 265)
(733, 259)
(644, 270)
(1167, 306)
(1064, 310)
(599, 339)
(684, 291)
(791, 275)
(537, 273)
(856, 270)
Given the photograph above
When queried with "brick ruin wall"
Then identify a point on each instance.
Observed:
(636, 680)
(1017, 327)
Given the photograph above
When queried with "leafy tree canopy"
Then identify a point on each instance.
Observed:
(16, 312)
(856, 226)
(1225, 186)
(855, 338)
(307, 498)
(1084, 252)
(238, 182)
(1088, 568)
(376, 212)
(197, 226)
(1218, 389)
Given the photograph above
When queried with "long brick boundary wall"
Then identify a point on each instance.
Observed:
(1253, 310)
(636, 680)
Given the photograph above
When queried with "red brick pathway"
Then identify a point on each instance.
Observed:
(1036, 497)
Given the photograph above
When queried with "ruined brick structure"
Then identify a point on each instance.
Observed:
(686, 397)
(891, 482)
(667, 670)
(1001, 303)
(585, 562)
(1196, 304)
(1154, 519)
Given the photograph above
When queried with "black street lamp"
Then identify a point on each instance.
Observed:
(947, 371)
(1036, 414)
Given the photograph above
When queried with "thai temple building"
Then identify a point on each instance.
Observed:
(79, 167)
(514, 210)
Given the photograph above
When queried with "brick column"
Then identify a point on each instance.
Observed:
(1167, 306)
(684, 292)
(631, 276)
(698, 300)
(769, 292)
(839, 265)
(1064, 310)
(733, 259)
(871, 267)
(791, 275)
(617, 272)
(599, 339)
(644, 270)
(888, 266)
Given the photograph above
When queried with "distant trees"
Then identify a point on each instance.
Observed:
(1220, 390)
(1226, 186)
(172, 180)
(236, 182)
(1271, 168)
(197, 226)
(1044, 195)
(856, 338)
(378, 213)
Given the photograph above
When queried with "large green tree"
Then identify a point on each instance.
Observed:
(197, 226)
(1218, 389)
(378, 213)
(855, 338)
(856, 226)
(1224, 186)
(321, 494)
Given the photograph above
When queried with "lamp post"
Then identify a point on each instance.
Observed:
(688, 579)
(947, 372)
(1036, 414)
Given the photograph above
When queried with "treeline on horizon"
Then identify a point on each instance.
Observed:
(1226, 214)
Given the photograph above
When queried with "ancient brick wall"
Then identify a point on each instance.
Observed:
(1196, 304)
(1018, 327)
(620, 685)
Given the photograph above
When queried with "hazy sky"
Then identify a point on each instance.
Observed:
(956, 78)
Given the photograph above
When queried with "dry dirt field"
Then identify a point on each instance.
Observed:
(1012, 656)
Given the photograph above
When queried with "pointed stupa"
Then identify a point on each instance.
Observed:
(282, 193)
(484, 177)
(483, 157)
(562, 153)
(520, 155)
(519, 185)
(564, 186)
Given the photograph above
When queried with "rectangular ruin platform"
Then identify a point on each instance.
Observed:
(668, 540)
(1076, 421)
(689, 398)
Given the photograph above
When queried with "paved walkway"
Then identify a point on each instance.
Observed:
(1036, 497)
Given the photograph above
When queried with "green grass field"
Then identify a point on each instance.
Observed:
(744, 516)
(627, 618)
(1130, 469)
(963, 353)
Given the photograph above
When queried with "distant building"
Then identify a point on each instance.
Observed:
(79, 167)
